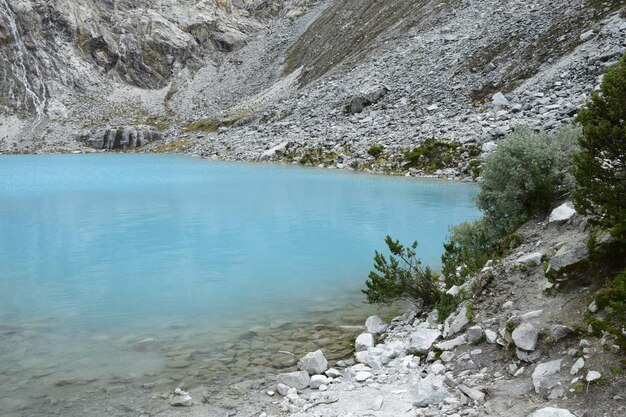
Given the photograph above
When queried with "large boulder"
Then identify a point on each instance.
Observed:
(551, 412)
(313, 362)
(525, 336)
(455, 323)
(297, 380)
(430, 390)
(545, 376)
(422, 340)
(375, 325)
(562, 213)
(570, 254)
(366, 98)
(363, 342)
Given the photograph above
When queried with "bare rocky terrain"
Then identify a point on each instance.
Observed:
(319, 83)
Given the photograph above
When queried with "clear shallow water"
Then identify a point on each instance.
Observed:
(98, 245)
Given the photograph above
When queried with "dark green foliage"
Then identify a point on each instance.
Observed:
(432, 154)
(401, 277)
(524, 177)
(469, 246)
(613, 297)
(376, 150)
(600, 166)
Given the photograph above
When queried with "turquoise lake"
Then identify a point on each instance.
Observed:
(95, 247)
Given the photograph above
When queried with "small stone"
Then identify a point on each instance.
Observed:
(181, 398)
(585, 36)
(559, 331)
(593, 376)
(491, 336)
(593, 307)
(362, 376)
(378, 403)
(500, 100)
(578, 365)
(437, 368)
(318, 380)
(584, 343)
(472, 393)
(282, 389)
(451, 344)
(333, 373)
(530, 259)
(447, 356)
(475, 334)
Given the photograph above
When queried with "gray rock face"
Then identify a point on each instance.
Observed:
(551, 412)
(297, 380)
(422, 340)
(545, 376)
(525, 336)
(123, 138)
(314, 363)
(430, 390)
(570, 254)
(375, 325)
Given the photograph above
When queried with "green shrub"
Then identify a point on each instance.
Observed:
(401, 277)
(612, 298)
(600, 167)
(469, 247)
(376, 150)
(203, 125)
(524, 177)
(432, 154)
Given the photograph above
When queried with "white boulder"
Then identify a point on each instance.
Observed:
(430, 390)
(313, 362)
(551, 412)
(363, 342)
(562, 213)
(422, 340)
(543, 377)
(298, 379)
(375, 325)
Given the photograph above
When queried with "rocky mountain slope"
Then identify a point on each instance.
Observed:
(259, 80)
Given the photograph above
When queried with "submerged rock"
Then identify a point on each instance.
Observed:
(181, 398)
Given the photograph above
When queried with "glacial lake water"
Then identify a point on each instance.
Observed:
(110, 262)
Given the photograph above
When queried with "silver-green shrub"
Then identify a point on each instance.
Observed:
(525, 175)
